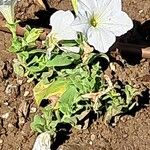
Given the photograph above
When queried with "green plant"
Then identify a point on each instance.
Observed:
(73, 83)
(68, 73)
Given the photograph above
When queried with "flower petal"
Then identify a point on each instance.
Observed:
(109, 5)
(61, 25)
(43, 142)
(67, 34)
(101, 39)
(118, 23)
(86, 5)
(81, 24)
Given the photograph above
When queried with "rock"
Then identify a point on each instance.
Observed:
(12, 90)
(1, 141)
(11, 125)
(91, 143)
(23, 109)
(23, 112)
(6, 103)
(125, 135)
(2, 64)
(26, 93)
(93, 137)
(20, 82)
(5, 116)
(33, 110)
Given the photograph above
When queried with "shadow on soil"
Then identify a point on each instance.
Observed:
(62, 135)
(43, 17)
(143, 102)
(139, 36)
(64, 131)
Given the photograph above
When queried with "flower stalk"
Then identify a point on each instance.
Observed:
(75, 6)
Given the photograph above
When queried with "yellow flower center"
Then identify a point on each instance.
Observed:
(94, 21)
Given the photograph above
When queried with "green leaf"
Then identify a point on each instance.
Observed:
(33, 51)
(36, 69)
(47, 113)
(16, 46)
(67, 100)
(38, 124)
(75, 6)
(59, 60)
(32, 35)
(72, 120)
(23, 56)
(39, 120)
(130, 92)
(45, 90)
(64, 59)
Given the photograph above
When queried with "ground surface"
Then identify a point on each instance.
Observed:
(17, 106)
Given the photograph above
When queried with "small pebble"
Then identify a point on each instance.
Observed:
(10, 125)
(5, 116)
(125, 135)
(93, 137)
(112, 67)
(32, 110)
(6, 103)
(20, 82)
(141, 11)
(123, 119)
(26, 93)
(90, 142)
(1, 141)
(21, 121)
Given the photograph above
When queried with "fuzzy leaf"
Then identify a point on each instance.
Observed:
(59, 61)
(32, 35)
(63, 60)
(67, 100)
(38, 123)
(45, 90)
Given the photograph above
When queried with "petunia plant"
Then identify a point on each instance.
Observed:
(67, 68)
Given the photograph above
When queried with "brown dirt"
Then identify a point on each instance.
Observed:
(17, 106)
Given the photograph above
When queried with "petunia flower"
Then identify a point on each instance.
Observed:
(62, 30)
(101, 21)
(43, 142)
(7, 9)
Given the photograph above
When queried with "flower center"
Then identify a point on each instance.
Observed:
(94, 21)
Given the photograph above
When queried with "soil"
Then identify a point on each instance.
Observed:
(17, 106)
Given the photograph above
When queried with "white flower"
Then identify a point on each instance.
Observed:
(101, 21)
(61, 25)
(43, 142)
(7, 9)
(62, 30)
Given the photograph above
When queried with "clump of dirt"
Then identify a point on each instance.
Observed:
(130, 133)
(17, 106)
(16, 110)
